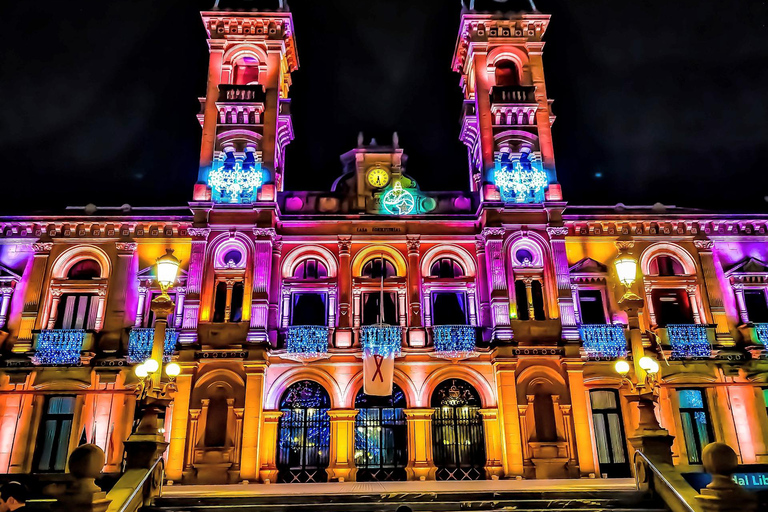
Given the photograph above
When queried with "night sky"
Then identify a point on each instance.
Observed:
(656, 100)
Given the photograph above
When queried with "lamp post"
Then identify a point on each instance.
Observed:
(146, 441)
(649, 437)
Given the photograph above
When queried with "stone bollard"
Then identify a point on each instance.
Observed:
(723, 494)
(82, 494)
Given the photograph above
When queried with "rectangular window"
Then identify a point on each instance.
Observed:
(696, 425)
(308, 308)
(609, 433)
(671, 307)
(77, 311)
(55, 430)
(591, 307)
(449, 308)
(149, 316)
(529, 298)
(228, 302)
(757, 307)
(372, 308)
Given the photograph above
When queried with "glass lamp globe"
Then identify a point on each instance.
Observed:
(151, 365)
(626, 268)
(621, 367)
(140, 371)
(649, 364)
(167, 268)
(172, 370)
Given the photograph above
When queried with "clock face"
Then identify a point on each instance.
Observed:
(378, 177)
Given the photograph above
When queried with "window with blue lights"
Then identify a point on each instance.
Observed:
(689, 341)
(603, 341)
(697, 431)
(520, 179)
(236, 180)
(304, 434)
(381, 438)
(140, 341)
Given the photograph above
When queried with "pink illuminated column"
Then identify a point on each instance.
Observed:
(483, 106)
(565, 298)
(194, 284)
(116, 315)
(416, 334)
(497, 278)
(274, 289)
(264, 275)
(482, 283)
(711, 272)
(32, 296)
(344, 330)
(5, 301)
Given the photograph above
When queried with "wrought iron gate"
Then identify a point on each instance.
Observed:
(457, 431)
(304, 436)
(381, 437)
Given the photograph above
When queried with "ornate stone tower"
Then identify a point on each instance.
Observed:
(245, 115)
(507, 116)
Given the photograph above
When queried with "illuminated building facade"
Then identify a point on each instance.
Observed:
(503, 301)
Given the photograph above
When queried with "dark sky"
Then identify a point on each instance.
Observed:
(656, 100)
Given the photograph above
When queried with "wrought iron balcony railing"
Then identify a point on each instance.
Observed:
(603, 341)
(245, 93)
(454, 341)
(687, 341)
(513, 94)
(59, 347)
(306, 341)
(140, 341)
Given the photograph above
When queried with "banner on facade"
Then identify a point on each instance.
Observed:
(381, 343)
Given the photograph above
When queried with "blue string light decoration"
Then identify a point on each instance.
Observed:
(306, 342)
(689, 341)
(381, 339)
(236, 181)
(761, 333)
(59, 347)
(141, 339)
(520, 181)
(604, 341)
(454, 341)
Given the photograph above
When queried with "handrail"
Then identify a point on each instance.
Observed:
(682, 504)
(125, 506)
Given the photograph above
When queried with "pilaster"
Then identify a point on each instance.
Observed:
(179, 423)
(421, 464)
(580, 414)
(493, 444)
(252, 421)
(268, 449)
(565, 300)
(342, 457)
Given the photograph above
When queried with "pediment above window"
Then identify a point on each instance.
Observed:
(748, 270)
(588, 270)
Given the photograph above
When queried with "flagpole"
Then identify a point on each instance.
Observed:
(381, 291)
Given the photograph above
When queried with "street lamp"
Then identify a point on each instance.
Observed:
(645, 387)
(626, 269)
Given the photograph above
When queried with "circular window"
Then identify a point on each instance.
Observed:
(233, 258)
(524, 257)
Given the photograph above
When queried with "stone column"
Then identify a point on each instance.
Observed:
(341, 466)
(711, 272)
(344, 330)
(566, 302)
(421, 464)
(178, 314)
(191, 312)
(506, 390)
(493, 445)
(55, 298)
(179, 434)
(528, 281)
(416, 334)
(141, 305)
(580, 412)
(254, 398)
(494, 249)
(5, 301)
(738, 290)
(691, 291)
(268, 449)
(274, 290)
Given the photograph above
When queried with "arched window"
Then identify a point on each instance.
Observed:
(304, 434)
(381, 438)
(457, 431)
(506, 74)
(665, 266)
(310, 268)
(377, 268)
(246, 71)
(85, 269)
(446, 268)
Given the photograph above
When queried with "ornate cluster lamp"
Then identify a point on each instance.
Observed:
(645, 388)
(153, 397)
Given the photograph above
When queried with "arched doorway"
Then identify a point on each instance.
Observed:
(304, 435)
(381, 436)
(457, 432)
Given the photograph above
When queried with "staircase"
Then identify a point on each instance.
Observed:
(451, 497)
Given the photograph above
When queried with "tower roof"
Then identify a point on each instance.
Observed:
(250, 5)
(499, 5)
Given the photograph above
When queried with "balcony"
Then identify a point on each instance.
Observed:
(140, 342)
(241, 93)
(61, 347)
(687, 341)
(603, 341)
(381, 339)
(513, 94)
(454, 341)
(306, 342)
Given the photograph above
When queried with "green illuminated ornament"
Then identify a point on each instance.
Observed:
(398, 201)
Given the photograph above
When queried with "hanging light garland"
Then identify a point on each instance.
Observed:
(689, 341)
(59, 347)
(520, 184)
(141, 339)
(235, 184)
(306, 342)
(454, 341)
(381, 339)
(761, 332)
(604, 341)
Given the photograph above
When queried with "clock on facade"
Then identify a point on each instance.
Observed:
(378, 177)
